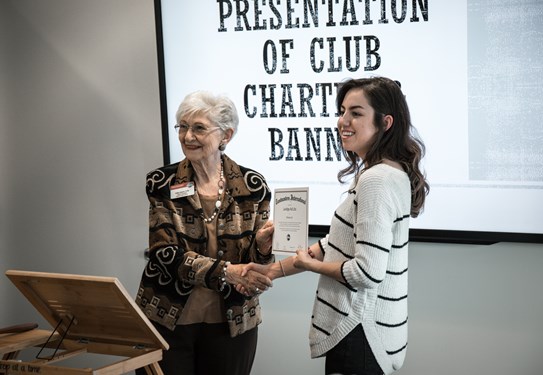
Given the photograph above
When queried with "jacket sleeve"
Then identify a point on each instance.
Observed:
(261, 195)
(168, 260)
(262, 217)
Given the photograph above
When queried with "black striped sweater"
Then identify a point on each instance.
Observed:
(369, 233)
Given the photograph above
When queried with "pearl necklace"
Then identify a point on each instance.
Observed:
(218, 203)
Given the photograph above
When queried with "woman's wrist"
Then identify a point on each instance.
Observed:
(281, 266)
(263, 252)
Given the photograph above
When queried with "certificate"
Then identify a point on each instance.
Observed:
(290, 209)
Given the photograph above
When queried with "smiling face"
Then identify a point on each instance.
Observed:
(203, 146)
(356, 123)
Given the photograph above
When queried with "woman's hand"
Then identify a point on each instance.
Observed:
(306, 260)
(251, 281)
(264, 238)
(267, 270)
(312, 260)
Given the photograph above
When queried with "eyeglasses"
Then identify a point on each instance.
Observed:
(198, 130)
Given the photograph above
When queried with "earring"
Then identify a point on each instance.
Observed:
(222, 146)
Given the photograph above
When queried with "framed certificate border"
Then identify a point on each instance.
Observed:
(290, 217)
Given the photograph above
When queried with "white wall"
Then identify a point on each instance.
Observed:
(473, 309)
(79, 128)
(4, 119)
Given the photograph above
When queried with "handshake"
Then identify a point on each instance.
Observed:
(253, 278)
(249, 279)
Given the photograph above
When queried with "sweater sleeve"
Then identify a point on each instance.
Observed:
(375, 214)
(323, 243)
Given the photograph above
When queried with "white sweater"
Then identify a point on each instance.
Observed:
(369, 233)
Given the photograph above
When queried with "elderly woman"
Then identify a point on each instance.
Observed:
(208, 216)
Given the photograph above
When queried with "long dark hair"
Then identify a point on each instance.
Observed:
(399, 143)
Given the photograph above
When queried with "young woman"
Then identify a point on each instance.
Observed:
(359, 319)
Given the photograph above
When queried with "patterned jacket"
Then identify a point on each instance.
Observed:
(178, 237)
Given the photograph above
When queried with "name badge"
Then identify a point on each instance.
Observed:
(182, 190)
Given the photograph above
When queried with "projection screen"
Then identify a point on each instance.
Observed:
(472, 73)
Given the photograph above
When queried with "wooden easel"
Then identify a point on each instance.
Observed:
(90, 314)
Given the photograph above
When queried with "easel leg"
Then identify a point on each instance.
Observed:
(153, 369)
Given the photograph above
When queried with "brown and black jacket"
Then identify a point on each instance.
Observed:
(178, 237)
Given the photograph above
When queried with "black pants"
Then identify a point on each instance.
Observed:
(204, 349)
(352, 356)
